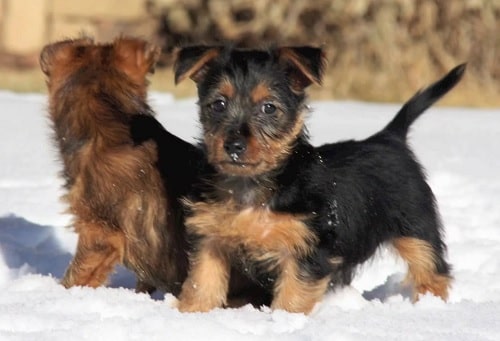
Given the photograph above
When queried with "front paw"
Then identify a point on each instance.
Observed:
(195, 299)
(195, 306)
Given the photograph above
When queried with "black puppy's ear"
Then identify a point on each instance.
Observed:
(305, 65)
(193, 62)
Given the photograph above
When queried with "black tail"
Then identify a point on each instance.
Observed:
(422, 100)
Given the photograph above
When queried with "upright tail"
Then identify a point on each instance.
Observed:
(421, 101)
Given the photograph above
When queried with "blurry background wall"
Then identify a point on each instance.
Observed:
(380, 50)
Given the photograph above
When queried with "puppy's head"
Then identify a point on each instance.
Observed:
(251, 102)
(84, 62)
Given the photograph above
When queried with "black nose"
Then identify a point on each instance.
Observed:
(235, 147)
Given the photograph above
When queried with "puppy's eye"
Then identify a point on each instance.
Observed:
(268, 108)
(219, 106)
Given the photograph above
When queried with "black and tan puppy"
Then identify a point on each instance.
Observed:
(296, 218)
(122, 193)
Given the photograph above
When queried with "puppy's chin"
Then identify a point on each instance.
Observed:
(244, 169)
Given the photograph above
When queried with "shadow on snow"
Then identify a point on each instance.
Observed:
(27, 244)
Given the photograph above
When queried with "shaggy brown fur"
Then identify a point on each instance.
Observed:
(114, 189)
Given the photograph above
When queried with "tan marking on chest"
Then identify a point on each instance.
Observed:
(262, 232)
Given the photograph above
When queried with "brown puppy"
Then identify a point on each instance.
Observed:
(115, 190)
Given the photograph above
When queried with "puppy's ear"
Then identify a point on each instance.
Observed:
(136, 57)
(47, 57)
(193, 62)
(304, 65)
(59, 53)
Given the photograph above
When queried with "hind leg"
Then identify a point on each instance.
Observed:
(98, 251)
(144, 287)
(427, 270)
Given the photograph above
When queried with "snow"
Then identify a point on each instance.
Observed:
(457, 146)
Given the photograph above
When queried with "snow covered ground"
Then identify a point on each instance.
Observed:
(460, 149)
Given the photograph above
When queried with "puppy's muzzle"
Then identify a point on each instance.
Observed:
(235, 147)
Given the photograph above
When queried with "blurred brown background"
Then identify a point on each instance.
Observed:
(377, 50)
